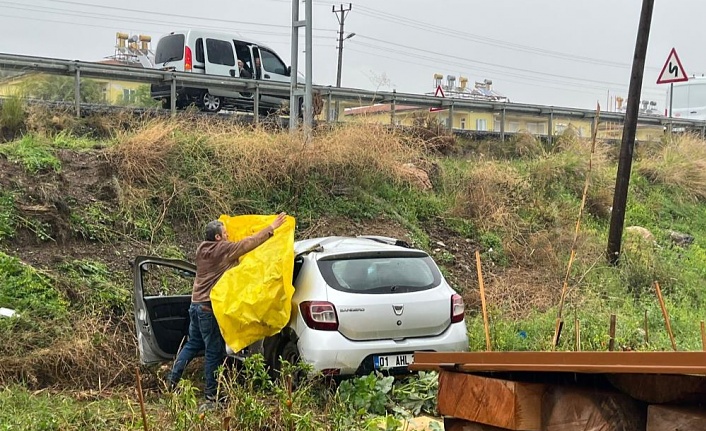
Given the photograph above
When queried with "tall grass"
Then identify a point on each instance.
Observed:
(197, 170)
(12, 114)
(679, 164)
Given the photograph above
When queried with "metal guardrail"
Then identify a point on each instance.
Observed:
(85, 69)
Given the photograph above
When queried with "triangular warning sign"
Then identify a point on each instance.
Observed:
(672, 71)
(439, 93)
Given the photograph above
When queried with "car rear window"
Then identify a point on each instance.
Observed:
(381, 274)
(170, 48)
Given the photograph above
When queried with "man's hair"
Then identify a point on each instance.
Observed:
(213, 228)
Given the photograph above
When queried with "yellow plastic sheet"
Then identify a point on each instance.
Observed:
(254, 299)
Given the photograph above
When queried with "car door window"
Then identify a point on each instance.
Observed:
(162, 280)
(272, 63)
(220, 52)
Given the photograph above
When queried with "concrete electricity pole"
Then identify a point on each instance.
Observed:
(341, 16)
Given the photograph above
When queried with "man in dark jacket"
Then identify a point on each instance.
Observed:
(214, 257)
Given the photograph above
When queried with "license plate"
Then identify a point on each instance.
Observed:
(385, 362)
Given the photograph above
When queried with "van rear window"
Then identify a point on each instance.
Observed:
(169, 48)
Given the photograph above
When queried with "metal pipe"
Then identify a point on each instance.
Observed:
(256, 104)
(77, 91)
(393, 107)
(308, 91)
(502, 125)
(293, 84)
(173, 94)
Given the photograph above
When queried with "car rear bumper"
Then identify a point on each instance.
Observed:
(330, 350)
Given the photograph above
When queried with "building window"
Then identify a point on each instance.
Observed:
(536, 128)
(513, 126)
(561, 128)
(496, 126)
(463, 123)
(481, 124)
(128, 95)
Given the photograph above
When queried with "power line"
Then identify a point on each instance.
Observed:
(519, 69)
(463, 64)
(112, 17)
(385, 16)
(188, 17)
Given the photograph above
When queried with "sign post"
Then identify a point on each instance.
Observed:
(439, 93)
(672, 72)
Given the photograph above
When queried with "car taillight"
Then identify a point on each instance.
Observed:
(319, 315)
(188, 63)
(457, 308)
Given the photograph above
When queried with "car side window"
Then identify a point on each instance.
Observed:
(272, 63)
(220, 52)
(199, 51)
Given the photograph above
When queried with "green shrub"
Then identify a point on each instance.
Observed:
(32, 153)
(8, 216)
(28, 291)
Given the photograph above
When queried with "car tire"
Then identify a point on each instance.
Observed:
(211, 103)
(289, 352)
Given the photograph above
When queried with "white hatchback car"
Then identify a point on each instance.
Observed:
(360, 304)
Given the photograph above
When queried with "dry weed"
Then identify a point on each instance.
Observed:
(142, 157)
(679, 163)
(519, 292)
(492, 195)
(98, 354)
(257, 157)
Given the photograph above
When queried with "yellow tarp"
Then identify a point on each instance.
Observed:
(254, 299)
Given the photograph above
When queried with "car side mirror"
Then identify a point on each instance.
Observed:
(289, 70)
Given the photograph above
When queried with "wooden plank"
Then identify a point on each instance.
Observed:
(572, 362)
(486, 326)
(656, 388)
(496, 402)
(671, 418)
(566, 408)
(455, 424)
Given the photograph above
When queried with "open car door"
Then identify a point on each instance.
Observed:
(162, 298)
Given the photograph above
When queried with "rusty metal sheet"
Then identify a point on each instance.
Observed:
(570, 362)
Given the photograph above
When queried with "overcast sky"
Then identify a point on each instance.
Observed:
(552, 52)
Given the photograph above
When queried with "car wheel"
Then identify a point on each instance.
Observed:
(290, 353)
(210, 103)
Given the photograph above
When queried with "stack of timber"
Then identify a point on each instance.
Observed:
(570, 391)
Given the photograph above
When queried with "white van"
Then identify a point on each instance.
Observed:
(689, 99)
(207, 52)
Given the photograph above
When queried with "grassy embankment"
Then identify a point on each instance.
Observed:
(79, 198)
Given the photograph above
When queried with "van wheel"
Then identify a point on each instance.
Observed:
(210, 102)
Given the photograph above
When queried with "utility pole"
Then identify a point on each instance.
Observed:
(341, 16)
(617, 217)
(295, 91)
